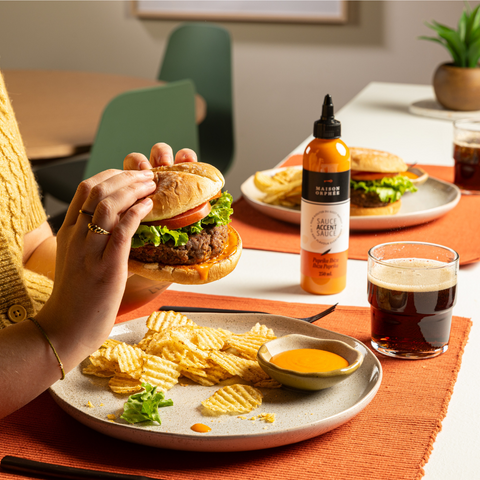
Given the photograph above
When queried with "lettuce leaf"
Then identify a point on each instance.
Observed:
(143, 406)
(389, 189)
(155, 235)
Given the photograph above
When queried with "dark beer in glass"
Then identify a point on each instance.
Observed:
(411, 290)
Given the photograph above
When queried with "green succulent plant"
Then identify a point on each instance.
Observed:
(462, 43)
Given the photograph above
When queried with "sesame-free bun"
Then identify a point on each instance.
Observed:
(369, 160)
(209, 271)
(390, 209)
(181, 187)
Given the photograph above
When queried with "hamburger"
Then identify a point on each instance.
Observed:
(377, 183)
(186, 238)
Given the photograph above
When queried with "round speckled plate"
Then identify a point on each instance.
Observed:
(298, 415)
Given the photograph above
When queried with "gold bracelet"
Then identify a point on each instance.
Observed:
(44, 333)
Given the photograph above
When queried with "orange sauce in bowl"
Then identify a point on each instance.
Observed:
(200, 428)
(309, 360)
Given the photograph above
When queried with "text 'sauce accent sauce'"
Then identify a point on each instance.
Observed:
(325, 208)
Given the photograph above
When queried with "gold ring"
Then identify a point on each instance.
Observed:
(85, 212)
(96, 229)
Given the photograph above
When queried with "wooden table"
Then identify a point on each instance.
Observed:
(58, 112)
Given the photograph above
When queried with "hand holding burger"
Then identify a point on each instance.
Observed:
(186, 237)
(378, 181)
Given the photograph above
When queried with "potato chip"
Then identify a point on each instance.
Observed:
(234, 399)
(110, 342)
(101, 362)
(183, 341)
(97, 371)
(123, 384)
(129, 358)
(247, 345)
(262, 330)
(210, 338)
(159, 321)
(160, 372)
(248, 370)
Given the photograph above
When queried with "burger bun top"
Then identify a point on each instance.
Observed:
(369, 160)
(181, 187)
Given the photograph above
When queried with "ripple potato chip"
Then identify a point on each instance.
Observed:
(234, 399)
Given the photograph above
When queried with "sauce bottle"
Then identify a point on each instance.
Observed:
(325, 207)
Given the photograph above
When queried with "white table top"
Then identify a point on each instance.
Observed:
(378, 118)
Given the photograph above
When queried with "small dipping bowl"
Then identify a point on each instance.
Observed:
(308, 381)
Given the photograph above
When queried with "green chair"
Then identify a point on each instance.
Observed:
(132, 122)
(202, 53)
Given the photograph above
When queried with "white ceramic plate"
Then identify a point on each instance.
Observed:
(433, 199)
(299, 415)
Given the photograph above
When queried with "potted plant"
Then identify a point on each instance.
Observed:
(457, 83)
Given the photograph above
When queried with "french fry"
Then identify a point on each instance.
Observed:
(284, 188)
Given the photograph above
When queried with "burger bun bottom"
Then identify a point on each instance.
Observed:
(190, 274)
(391, 209)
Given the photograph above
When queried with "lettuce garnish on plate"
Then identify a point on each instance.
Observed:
(143, 406)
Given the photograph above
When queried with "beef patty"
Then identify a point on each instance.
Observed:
(199, 248)
(366, 199)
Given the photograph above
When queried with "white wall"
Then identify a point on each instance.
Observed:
(281, 71)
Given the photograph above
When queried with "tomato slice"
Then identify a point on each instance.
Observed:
(359, 175)
(186, 218)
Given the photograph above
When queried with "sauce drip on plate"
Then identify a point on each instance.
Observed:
(309, 360)
(200, 428)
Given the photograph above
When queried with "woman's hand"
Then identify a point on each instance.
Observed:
(160, 155)
(92, 268)
(141, 290)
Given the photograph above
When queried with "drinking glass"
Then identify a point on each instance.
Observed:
(466, 153)
(412, 289)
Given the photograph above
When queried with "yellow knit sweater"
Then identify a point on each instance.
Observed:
(20, 212)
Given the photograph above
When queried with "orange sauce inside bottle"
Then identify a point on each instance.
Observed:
(200, 428)
(309, 360)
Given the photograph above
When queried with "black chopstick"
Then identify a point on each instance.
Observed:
(25, 466)
(203, 309)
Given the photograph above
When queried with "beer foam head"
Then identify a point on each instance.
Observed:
(413, 274)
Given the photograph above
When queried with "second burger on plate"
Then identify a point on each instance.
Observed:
(378, 182)
(186, 238)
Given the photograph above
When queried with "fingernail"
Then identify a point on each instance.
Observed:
(147, 173)
(144, 166)
(150, 184)
(165, 159)
(147, 201)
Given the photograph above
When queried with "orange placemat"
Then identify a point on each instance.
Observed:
(458, 229)
(391, 439)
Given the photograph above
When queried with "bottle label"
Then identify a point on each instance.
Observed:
(325, 212)
(325, 187)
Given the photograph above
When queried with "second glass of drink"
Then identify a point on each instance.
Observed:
(412, 289)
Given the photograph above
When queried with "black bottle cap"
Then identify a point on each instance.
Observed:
(327, 126)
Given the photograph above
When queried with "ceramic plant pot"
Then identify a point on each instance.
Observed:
(457, 88)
